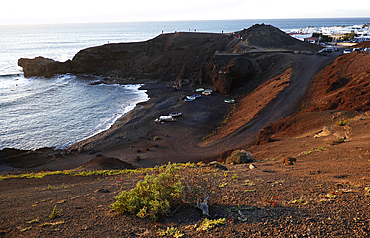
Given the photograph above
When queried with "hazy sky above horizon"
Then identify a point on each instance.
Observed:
(81, 11)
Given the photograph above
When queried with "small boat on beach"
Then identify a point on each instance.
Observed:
(164, 118)
(231, 101)
(199, 89)
(176, 114)
(206, 93)
(191, 97)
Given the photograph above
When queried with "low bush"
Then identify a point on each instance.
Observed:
(239, 157)
(336, 141)
(153, 196)
(210, 224)
(174, 185)
(173, 231)
(55, 213)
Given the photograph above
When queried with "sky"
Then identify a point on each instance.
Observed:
(84, 11)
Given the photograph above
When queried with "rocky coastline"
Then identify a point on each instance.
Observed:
(178, 61)
(171, 65)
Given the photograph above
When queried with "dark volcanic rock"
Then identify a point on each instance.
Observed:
(41, 66)
(225, 75)
(10, 152)
(270, 37)
(28, 158)
(104, 163)
(266, 36)
(167, 56)
(288, 160)
(234, 74)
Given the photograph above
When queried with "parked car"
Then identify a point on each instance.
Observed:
(347, 51)
(325, 51)
(367, 49)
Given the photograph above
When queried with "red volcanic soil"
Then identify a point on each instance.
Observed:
(344, 85)
(364, 44)
(251, 104)
(323, 194)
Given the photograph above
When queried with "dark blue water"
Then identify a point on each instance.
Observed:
(56, 112)
(37, 112)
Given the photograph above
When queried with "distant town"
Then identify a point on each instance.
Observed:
(337, 35)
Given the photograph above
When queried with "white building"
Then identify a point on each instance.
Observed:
(336, 32)
(362, 38)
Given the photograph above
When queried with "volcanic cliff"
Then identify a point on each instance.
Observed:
(180, 58)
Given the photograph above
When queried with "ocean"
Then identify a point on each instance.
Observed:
(56, 112)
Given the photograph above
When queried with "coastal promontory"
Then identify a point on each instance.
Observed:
(179, 58)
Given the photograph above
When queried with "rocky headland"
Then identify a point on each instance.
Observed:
(180, 58)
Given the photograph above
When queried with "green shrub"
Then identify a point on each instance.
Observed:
(210, 224)
(173, 231)
(336, 141)
(153, 196)
(55, 213)
(239, 157)
(25, 229)
(367, 192)
(342, 123)
(299, 201)
(36, 220)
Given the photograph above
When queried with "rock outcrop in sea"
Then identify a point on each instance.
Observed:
(41, 66)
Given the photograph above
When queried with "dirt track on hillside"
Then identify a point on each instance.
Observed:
(284, 103)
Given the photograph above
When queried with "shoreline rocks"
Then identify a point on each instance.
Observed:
(28, 158)
(41, 66)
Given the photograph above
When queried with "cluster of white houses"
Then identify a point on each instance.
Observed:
(337, 33)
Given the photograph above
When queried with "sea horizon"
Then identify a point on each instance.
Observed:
(200, 20)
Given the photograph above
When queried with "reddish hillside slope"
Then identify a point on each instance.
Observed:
(344, 85)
